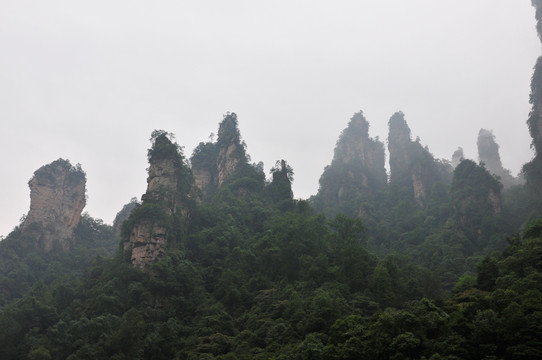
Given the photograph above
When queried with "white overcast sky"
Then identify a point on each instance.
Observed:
(88, 81)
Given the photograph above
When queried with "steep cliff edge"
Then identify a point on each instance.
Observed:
(165, 205)
(413, 167)
(357, 167)
(57, 198)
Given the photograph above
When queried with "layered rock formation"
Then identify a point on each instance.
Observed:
(214, 163)
(357, 166)
(412, 166)
(165, 201)
(488, 154)
(57, 198)
(231, 153)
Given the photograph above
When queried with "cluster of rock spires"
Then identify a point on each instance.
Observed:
(358, 167)
(172, 188)
(214, 163)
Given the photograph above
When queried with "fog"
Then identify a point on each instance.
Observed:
(89, 81)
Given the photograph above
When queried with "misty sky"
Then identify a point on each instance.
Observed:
(89, 81)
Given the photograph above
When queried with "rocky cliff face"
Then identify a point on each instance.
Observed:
(411, 165)
(357, 166)
(533, 169)
(231, 153)
(488, 153)
(355, 145)
(57, 198)
(168, 192)
(148, 242)
(162, 183)
(214, 163)
(227, 162)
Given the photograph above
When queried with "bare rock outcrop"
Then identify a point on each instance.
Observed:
(214, 163)
(231, 152)
(148, 242)
(151, 225)
(57, 198)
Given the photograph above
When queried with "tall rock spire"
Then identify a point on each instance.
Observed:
(357, 167)
(165, 204)
(213, 163)
(488, 154)
(231, 152)
(412, 166)
(57, 198)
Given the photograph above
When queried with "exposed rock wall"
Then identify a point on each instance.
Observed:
(162, 183)
(227, 162)
(148, 242)
(214, 163)
(57, 198)
(357, 166)
(231, 152)
(412, 166)
(164, 203)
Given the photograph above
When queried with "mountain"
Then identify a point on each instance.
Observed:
(488, 154)
(57, 198)
(218, 262)
(412, 167)
(165, 206)
(357, 169)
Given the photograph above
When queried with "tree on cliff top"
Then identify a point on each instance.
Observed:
(280, 188)
(228, 133)
(163, 146)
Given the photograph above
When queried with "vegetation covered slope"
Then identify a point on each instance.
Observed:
(432, 265)
(281, 285)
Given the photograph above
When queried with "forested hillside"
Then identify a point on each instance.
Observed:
(436, 260)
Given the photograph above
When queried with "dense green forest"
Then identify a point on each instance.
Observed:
(250, 273)
(437, 260)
